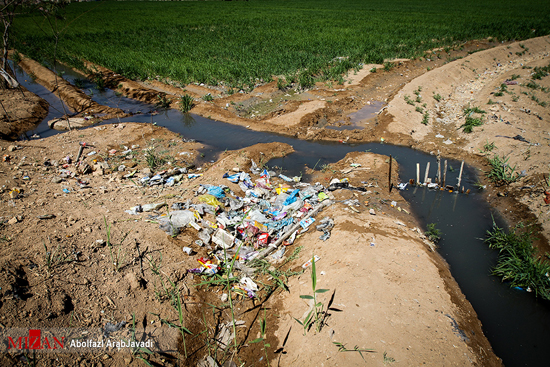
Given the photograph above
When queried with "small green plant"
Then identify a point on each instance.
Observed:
(388, 66)
(153, 160)
(438, 97)
(433, 234)
(116, 252)
(490, 102)
(208, 97)
(137, 351)
(540, 72)
(515, 98)
(503, 88)
(342, 348)
(55, 258)
(262, 337)
(419, 109)
(373, 70)
(315, 316)
(387, 359)
(470, 120)
(172, 293)
(425, 118)
(186, 103)
(517, 260)
(408, 100)
(501, 173)
(488, 147)
(163, 101)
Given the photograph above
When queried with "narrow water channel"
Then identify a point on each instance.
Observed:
(515, 322)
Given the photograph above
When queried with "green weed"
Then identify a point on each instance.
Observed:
(208, 97)
(116, 252)
(517, 261)
(501, 173)
(433, 233)
(163, 101)
(425, 118)
(262, 338)
(315, 316)
(55, 258)
(342, 348)
(186, 103)
(437, 97)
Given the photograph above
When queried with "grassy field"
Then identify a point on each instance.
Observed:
(243, 43)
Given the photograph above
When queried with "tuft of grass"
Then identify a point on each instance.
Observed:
(55, 258)
(425, 118)
(163, 101)
(116, 252)
(517, 262)
(316, 315)
(262, 338)
(153, 160)
(208, 97)
(433, 233)
(186, 103)
(388, 66)
(488, 147)
(342, 348)
(470, 120)
(437, 97)
(501, 173)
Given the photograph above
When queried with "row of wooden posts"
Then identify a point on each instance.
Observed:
(440, 181)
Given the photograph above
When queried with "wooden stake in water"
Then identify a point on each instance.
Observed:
(438, 168)
(460, 175)
(418, 173)
(389, 175)
(427, 171)
(444, 174)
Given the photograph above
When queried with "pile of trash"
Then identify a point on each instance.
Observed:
(236, 230)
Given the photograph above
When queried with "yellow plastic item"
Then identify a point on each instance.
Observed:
(209, 199)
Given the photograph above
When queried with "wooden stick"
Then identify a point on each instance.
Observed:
(389, 175)
(427, 171)
(418, 173)
(444, 173)
(460, 175)
(79, 153)
(438, 168)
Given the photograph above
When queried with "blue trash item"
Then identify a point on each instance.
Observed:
(216, 191)
(233, 178)
(305, 223)
(66, 191)
(291, 197)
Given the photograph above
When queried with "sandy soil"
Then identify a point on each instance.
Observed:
(392, 297)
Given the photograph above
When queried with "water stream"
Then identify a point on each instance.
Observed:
(515, 322)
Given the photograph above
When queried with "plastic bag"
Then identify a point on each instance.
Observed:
(209, 199)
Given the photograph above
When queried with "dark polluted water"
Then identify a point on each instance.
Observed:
(515, 322)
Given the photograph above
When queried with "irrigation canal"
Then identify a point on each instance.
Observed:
(515, 322)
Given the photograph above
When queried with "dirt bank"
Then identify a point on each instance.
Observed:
(389, 292)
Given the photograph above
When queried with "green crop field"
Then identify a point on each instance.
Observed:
(241, 43)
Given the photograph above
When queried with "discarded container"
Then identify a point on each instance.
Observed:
(188, 250)
(151, 207)
(308, 263)
(223, 239)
